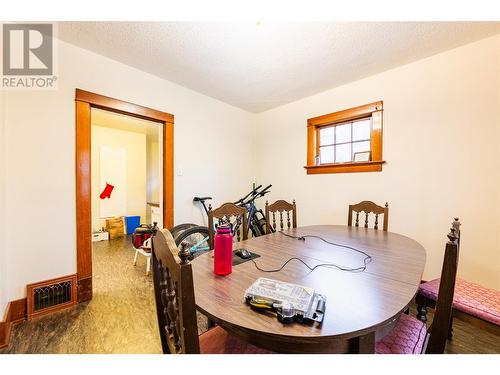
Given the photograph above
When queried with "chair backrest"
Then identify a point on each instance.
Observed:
(174, 295)
(456, 224)
(368, 207)
(436, 341)
(280, 206)
(225, 213)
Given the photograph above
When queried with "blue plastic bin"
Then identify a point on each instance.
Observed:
(132, 222)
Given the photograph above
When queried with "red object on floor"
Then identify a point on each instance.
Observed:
(141, 234)
(106, 193)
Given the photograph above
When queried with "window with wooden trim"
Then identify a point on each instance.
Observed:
(346, 141)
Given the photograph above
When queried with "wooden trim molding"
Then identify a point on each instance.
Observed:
(364, 166)
(168, 175)
(346, 114)
(85, 101)
(14, 313)
(83, 197)
(373, 110)
(120, 106)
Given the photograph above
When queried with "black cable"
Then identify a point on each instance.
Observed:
(366, 260)
(303, 238)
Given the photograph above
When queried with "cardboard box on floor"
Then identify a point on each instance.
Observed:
(116, 227)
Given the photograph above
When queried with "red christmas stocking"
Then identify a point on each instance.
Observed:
(106, 193)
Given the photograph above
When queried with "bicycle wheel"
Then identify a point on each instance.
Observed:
(255, 229)
(178, 229)
(261, 224)
(196, 238)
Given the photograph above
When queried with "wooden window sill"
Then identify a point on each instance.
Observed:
(362, 166)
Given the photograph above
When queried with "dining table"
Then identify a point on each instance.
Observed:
(362, 303)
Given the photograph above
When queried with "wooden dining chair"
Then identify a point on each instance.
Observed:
(281, 207)
(410, 335)
(176, 308)
(226, 213)
(368, 207)
(473, 303)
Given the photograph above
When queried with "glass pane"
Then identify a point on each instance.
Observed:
(361, 130)
(326, 136)
(360, 147)
(326, 154)
(343, 133)
(343, 153)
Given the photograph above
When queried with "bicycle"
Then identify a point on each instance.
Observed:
(196, 237)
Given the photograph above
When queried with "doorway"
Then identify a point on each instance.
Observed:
(86, 104)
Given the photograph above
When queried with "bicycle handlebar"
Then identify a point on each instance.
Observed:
(254, 194)
(257, 194)
(246, 196)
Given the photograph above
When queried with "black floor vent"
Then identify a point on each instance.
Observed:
(51, 295)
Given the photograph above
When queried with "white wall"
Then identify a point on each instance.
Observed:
(441, 142)
(213, 142)
(135, 146)
(153, 175)
(153, 172)
(3, 267)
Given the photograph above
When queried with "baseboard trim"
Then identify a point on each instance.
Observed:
(15, 312)
(84, 289)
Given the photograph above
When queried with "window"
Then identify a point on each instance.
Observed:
(346, 141)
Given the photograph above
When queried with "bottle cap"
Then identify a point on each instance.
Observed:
(223, 229)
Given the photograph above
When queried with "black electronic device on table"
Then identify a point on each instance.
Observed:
(243, 253)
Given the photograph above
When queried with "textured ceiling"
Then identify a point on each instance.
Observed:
(259, 66)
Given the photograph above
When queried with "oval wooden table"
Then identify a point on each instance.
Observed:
(361, 307)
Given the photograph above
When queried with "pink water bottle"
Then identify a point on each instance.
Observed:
(223, 251)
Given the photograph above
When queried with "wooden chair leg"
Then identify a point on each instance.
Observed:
(422, 313)
(366, 344)
(210, 323)
(421, 308)
(450, 329)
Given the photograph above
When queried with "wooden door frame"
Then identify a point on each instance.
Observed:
(85, 101)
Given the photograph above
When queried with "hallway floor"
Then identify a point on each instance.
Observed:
(120, 318)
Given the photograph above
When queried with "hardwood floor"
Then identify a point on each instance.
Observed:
(467, 339)
(121, 318)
